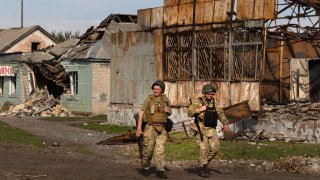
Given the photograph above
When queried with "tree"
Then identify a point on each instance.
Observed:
(63, 36)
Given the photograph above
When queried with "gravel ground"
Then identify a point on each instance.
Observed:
(72, 153)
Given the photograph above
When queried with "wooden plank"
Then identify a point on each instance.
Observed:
(185, 14)
(171, 92)
(220, 10)
(238, 112)
(240, 9)
(186, 2)
(222, 97)
(245, 91)
(249, 7)
(170, 15)
(144, 18)
(184, 90)
(269, 9)
(259, 9)
(204, 12)
(200, 8)
(171, 2)
(156, 17)
(227, 7)
(208, 12)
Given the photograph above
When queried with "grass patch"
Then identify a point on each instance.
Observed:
(99, 118)
(266, 150)
(107, 128)
(14, 135)
(187, 149)
(61, 118)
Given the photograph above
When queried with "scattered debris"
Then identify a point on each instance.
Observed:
(295, 122)
(257, 136)
(40, 103)
(119, 140)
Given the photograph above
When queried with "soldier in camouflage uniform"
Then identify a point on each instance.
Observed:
(155, 110)
(207, 112)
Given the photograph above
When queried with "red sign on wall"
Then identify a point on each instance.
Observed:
(6, 71)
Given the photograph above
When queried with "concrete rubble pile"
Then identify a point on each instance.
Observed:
(297, 121)
(40, 103)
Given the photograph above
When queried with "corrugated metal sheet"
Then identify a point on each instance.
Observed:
(133, 66)
(63, 47)
(37, 56)
(99, 49)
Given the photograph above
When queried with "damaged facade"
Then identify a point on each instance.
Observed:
(253, 51)
(77, 72)
(16, 80)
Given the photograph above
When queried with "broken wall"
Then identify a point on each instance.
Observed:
(278, 75)
(21, 88)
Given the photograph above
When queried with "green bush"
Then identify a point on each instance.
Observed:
(6, 106)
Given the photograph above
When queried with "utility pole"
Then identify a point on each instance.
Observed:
(21, 13)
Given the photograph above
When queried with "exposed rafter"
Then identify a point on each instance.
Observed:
(296, 20)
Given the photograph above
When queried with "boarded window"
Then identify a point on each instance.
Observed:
(12, 85)
(74, 82)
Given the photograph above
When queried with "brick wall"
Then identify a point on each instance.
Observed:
(25, 44)
(100, 88)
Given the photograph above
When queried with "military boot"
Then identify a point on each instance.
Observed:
(161, 175)
(144, 172)
(204, 171)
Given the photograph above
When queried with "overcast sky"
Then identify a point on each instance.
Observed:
(67, 15)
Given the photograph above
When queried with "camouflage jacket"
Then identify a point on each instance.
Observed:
(194, 109)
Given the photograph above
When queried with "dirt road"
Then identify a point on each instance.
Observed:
(72, 153)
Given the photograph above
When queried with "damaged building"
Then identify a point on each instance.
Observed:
(77, 72)
(252, 50)
(16, 80)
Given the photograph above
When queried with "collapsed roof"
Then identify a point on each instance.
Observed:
(92, 45)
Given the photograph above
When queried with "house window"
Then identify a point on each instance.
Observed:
(32, 83)
(35, 46)
(74, 82)
(12, 85)
(1, 84)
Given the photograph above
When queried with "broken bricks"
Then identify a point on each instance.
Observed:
(40, 103)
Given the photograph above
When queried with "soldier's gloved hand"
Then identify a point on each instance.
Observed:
(139, 132)
(203, 108)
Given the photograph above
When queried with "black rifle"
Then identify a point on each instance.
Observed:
(196, 121)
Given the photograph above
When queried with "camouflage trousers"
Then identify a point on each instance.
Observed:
(153, 142)
(210, 145)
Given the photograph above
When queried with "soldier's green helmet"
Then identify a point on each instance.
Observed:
(159, 83)
(209, 88)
